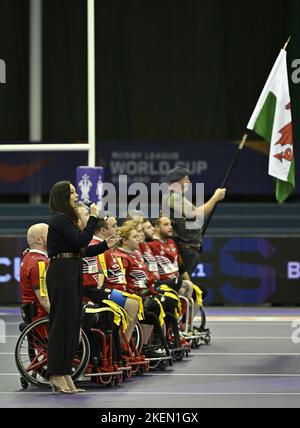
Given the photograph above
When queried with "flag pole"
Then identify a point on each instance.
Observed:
(224, 183)
(287, 43)
(232, 165)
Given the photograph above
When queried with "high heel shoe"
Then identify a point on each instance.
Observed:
(58, 384)
(71, 386)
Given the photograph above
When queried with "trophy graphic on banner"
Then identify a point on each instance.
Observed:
(85, 186)
(89, 184)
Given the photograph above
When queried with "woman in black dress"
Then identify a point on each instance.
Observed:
(67, 244)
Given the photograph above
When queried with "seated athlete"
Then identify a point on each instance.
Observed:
(138, 278)
(147, 233)
(170, 265)
(33, 271)
(104, 277)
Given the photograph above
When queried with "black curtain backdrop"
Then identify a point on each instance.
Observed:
(294, 53)
(166, 69)
(65, 70)
(183, 70)
(14, 95)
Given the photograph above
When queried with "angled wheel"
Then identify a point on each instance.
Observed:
(203, 318)
(106, 379)
(207, 339)
(137, 337)
(24, 383)
(162, 366)
(31, 354)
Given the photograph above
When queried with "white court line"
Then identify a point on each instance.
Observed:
(10, 374)
(242, 320)
(2, 315)
(163, 393)
(219, 354)
(221, 319)
(239, 354)
(280, 375)
(14, 323)
(252, 323)
(238, 321)
(251, 338)
(213, 337)
(12, 336)
(218, 324)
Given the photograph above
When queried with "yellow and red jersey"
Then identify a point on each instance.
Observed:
(109, 266)
(91, 269)
(136, 271)
(167, 258)
(150, 260)
(33, 277)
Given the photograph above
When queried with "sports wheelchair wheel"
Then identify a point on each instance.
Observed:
(138, 337)
(24, 383)
(178, 355)
(162, 366)
(207, 339)
(31, 354)
(203, 318)
(196, 343)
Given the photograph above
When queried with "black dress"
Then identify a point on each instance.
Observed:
(65, 289)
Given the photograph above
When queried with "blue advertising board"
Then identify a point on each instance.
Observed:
(237, 271)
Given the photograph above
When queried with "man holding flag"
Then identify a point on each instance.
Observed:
(272, 120)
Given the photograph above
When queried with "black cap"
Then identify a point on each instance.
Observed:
(177, 174)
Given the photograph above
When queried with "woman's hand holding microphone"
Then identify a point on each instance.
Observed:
(94, 210)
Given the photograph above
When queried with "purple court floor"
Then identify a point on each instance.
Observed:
(253, 361)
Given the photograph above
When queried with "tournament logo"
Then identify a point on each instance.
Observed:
(85, 185)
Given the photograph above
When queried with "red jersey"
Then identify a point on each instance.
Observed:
(167, 258)
(91, 269)
(32, 277)
(109, 265)
(150, 261)
(136, 271)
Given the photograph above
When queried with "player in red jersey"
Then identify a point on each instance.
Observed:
(33, 271)
(138, 278)
(167, 256)
(103, 275)
(169, 262)
(147, 234)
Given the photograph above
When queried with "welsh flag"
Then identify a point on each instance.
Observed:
(272, 120)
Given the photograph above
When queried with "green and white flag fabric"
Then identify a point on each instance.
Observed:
(272, 120)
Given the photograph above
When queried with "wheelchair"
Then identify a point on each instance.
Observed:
(104, 366)
(197, 335)
(31, 354)
(179, 346)
(157, 349)
(94, 357)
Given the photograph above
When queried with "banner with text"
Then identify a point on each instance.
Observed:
(143, 162)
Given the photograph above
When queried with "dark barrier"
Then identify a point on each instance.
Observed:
(10, 260)
(250, 271)
(238, 271)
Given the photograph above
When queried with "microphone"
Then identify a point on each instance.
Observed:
(87, 203)
(100, 214)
